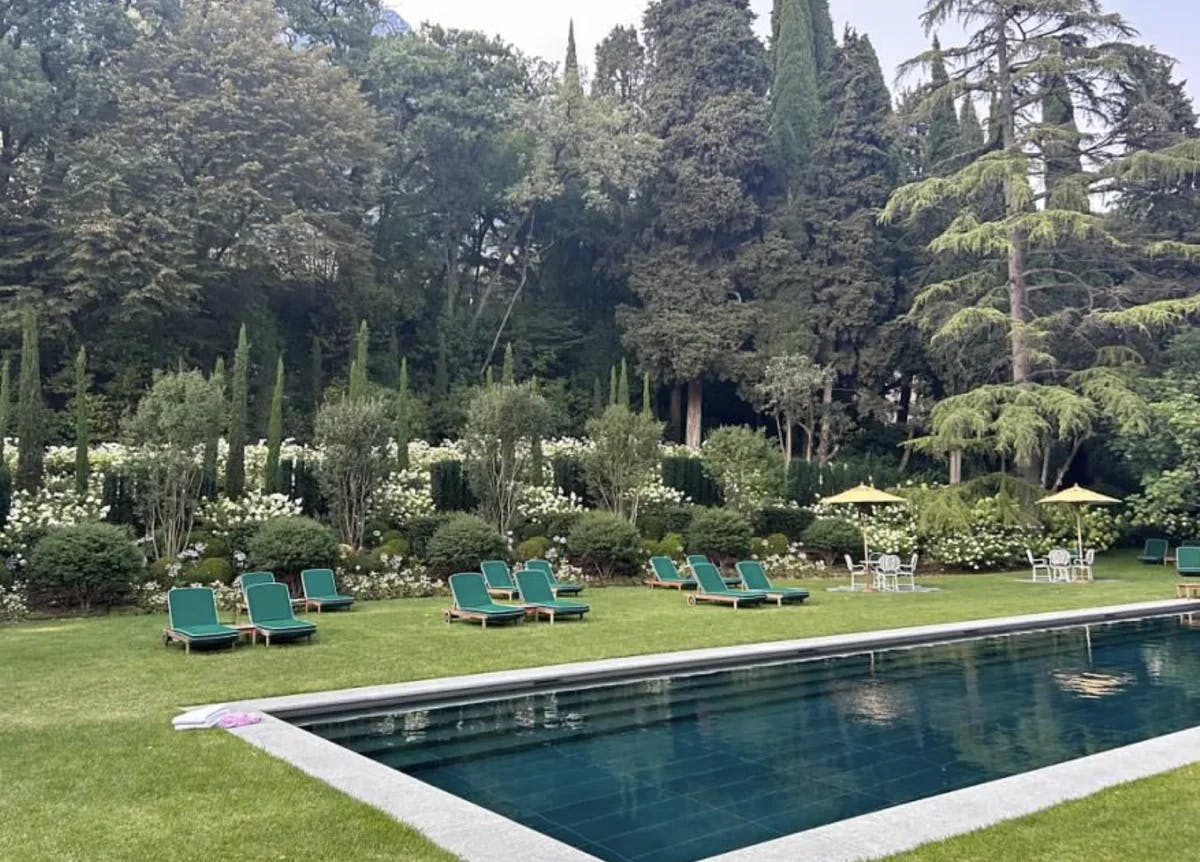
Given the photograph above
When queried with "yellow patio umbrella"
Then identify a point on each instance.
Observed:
(863, 495)
(1077, 498)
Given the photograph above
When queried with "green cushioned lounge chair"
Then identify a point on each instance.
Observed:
(320, 591)
(1155, 552)
(192, 619)
(1187, 561)
(473, 602)
(499, 579)
(666, 575)
(245, 581)
(711, 588)
(561, 588)
(270, 610)
(694, 560)
(538, 595)
(755, 578)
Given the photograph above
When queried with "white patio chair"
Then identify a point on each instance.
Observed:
(1040, 565)
(1059, 561)
(857, 572)
(887, 574)
(1081, 567)
(909, 570)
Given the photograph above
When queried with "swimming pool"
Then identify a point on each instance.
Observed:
(679, 768)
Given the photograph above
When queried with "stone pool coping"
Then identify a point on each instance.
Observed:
(477, 834)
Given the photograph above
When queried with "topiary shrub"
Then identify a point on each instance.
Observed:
(721, 534)
(670, 545)
(420, 530)
(87, 564)
(212, 570)
(605, 545)
(461, 544)
(290, 545)
(533, 548)
(774, 545)
(832, 538)
(790, 522)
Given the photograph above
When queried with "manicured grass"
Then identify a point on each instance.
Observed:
(93, 770)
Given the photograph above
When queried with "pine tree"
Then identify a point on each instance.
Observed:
(507, 375)
(235, 461)
(623, 395)
(30, 409)
(212, 441)
(404, 417)
(82, 467)
(647, 398)
(274, 433)
(942, 139)
(359, 373)
(795, 99)
(317, 372)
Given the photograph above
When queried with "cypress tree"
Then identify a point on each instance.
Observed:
(612, 385)
(795, 97)
(941, 143)
(489, 379)
(208, 481)
(235, 462)
(441, 367)
(507, 376)
(317, 379)
(5, 406)
(82, 468)
(824, 42)
(572, 83)
(597, 396)
(404, 420)
(1063, 160)
(29, 409)
(647, 398)
(274, 433)
(971, 136)
(359, 373)
(537, 459)
(392, 379)
(623, 397)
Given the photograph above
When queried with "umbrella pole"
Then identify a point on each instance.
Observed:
(1079, 528)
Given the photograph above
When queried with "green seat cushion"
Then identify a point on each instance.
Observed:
(206, 632)
(292, 625)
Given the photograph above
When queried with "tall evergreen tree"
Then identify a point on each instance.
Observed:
(620, 72)
(647, 396)
(824, 42)
(623, 394)
(942, 139)
(795, 99)
(317, 372)
(597, 396)
(274, 433)
(82, 421)
(5, 407)
(212, 440)
(572, 82)
(359, 372)
(30, 409)
(971, 134)
(612, 385)
(403, 417)
(235, 461)
(507, 373)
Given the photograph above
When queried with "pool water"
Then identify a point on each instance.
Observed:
(677, 769)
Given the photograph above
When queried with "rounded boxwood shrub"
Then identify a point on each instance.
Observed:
(790, 522)
(670, 545)
(215, 547)
(290, 545)
(461, 544)
(211, 570)
(420, 530)
(832, 538)
(397, 547)
(605, 545)
(533, 548)
(722, 534)
(88, 564)
(774, 545)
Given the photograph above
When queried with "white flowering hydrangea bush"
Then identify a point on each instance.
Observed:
(404, 496)
(34, 513)
(397, 578)
(235, 520)
(14, 602)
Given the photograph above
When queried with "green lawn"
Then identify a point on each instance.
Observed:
(91, 768)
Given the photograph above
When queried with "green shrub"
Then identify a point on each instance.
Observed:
(605, 544)
(652, 524)
(721, 534)
(6, 489)
(393, 548)
(670, 545)
(679, 519)
(789, 522)
(420, 530)
(290, 545)
(88, 564)
(210, 571)
(533, 548)
(160, 572)
(746, 465)
(832, 538)
(215, 547)
(461, 544)
(689, 475)
(392, 536)
(774, 545)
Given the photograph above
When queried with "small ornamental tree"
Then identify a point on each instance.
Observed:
(274, 433)
(30, 409)
(354, 436)
(235, 462)
(746, 465)
(624, 455)
(81, 423)
(169, 431)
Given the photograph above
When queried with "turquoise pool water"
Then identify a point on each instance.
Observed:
(677, 769)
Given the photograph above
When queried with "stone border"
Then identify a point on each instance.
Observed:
(479, 835)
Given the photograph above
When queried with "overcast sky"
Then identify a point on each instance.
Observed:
(539, 27)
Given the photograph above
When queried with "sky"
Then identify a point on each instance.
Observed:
(539, 27)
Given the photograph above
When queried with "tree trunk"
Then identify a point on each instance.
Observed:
(1062, 473)
(905, 405)
(1018, 284)
(694, 405)
(675, 414)
(956, 467)
(825, 443)
(1045, 475)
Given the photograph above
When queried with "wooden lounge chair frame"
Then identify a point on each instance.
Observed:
(775, 594)
(672, 584)
(172, 635)
(499, 592)
(454, 612)
(725, 598)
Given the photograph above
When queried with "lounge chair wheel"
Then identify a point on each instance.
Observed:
(691, 600)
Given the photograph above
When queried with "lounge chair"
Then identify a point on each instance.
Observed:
(499, 579)
(1155, 552)
(694, 560)
(755, 579)
(472, 601)
(712, 588)
(192, 619)
(538, 595)
(1187, 561)
(245, 581)
(666, 575)
(270, 609)
(320, 591)
(561, 588)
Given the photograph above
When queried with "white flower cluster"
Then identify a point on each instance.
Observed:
(34, 512)
(654, 493)
(225, 517)
(404, 496)
(396, 581)
(421, 455)
(793, 565)
(14, 602)
(151, 597)
(566, 447)
(541, 501)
